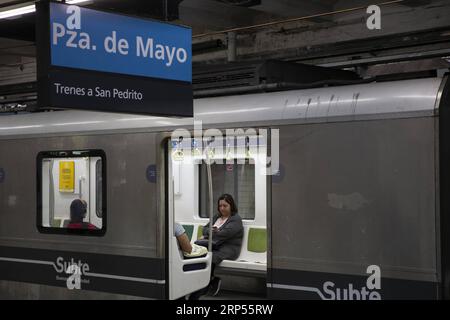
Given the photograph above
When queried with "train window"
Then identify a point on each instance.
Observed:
(237, 179)
(71, 197)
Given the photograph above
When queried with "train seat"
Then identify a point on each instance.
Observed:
(189, 228)
(56, 223)
(253, 256)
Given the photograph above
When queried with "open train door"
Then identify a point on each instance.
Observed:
(200, 169)
(185, 275)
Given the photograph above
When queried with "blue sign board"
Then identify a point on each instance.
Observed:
(94, 40)
(95, 60)
(151, 173)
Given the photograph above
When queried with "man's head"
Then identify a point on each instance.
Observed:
(78, 209)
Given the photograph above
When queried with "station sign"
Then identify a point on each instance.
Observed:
(95, 60)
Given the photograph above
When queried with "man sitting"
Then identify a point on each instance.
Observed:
(189, 250)
(78, 210)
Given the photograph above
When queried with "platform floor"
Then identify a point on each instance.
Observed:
(232, 295)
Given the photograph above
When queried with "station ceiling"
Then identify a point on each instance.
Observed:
(202, 15)
(315, 34)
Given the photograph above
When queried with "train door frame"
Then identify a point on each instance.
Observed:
(443, 185)
(269, 216)
(169, 223)
(175, 264)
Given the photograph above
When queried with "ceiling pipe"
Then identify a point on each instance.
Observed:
(273, 23)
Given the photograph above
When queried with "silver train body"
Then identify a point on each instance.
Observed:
(358, 209)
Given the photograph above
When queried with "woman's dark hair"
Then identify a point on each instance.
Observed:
(228, 199)
(78, 210)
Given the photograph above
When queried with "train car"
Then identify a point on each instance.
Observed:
(342, 191)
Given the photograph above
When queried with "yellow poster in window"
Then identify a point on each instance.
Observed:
(66, 176)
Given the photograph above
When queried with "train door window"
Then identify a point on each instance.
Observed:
(237, 179)
(71, 192)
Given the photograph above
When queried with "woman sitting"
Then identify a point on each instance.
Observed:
(227, 234)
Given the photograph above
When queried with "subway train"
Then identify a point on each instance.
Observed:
(343, 192)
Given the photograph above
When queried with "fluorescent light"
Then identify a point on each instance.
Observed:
(17, 12)
(29, 9)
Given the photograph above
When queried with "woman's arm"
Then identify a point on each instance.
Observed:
(205, 231)
(230, 230)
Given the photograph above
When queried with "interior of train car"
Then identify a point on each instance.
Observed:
(238, 167)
